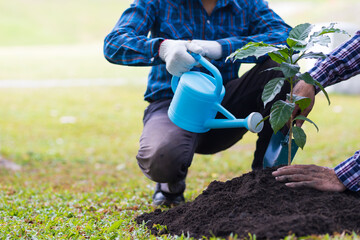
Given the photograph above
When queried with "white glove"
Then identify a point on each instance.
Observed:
(210, 49)
(174, 54)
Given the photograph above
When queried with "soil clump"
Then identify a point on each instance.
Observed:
(255, 203)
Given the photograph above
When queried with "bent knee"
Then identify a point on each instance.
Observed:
(165, 164)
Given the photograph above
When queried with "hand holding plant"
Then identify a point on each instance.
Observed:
(305, 90)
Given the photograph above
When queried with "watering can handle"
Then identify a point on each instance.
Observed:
(174, 83)
(200, 59)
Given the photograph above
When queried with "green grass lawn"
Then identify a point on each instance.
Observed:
(79, 174)
(77, 146)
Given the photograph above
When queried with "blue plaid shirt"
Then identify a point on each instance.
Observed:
(341, 64)
(233, 23)
(349, 172)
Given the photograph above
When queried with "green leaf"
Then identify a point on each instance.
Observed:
(271, 89)
(301, 31)
(302, 102)
(302, 48)
(298, 34)
(310, 80)
(280, 114)
(273, 68)
(291, 42)
(296, 42)
(319, 37)
(322, 40)
(289, 70)
(277, 57)
(330, 29)
(299, 137)
(301, 117)
(313, 55)
(284, 52)
(256, 49)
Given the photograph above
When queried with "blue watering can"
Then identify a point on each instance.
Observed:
(197, 99)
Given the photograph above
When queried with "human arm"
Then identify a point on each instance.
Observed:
(128, 43)
(340, 65)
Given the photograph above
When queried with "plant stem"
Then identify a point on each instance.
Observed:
(290, 141)
(291, 120)
(291, 117)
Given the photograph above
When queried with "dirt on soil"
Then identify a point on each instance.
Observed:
(255, 203)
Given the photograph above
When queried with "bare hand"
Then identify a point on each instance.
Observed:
(311, 176)
(303, 89)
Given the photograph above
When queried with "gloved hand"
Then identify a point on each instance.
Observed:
(174, 54)
(210, 49)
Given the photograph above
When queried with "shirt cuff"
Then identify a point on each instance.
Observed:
(314, 76)
(154, 54)
(227, 47)
(348, 172)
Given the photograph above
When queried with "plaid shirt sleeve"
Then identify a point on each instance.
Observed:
(349, 172)
(341, 64)
(128, 43)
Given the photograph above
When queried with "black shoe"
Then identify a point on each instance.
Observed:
(161, 198)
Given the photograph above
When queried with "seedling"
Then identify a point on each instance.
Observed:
(299, 43)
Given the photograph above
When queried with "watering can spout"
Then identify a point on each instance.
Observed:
(252, 123)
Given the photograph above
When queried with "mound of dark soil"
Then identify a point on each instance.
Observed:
(255, 203)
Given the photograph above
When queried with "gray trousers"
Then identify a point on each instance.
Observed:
(166, 151)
